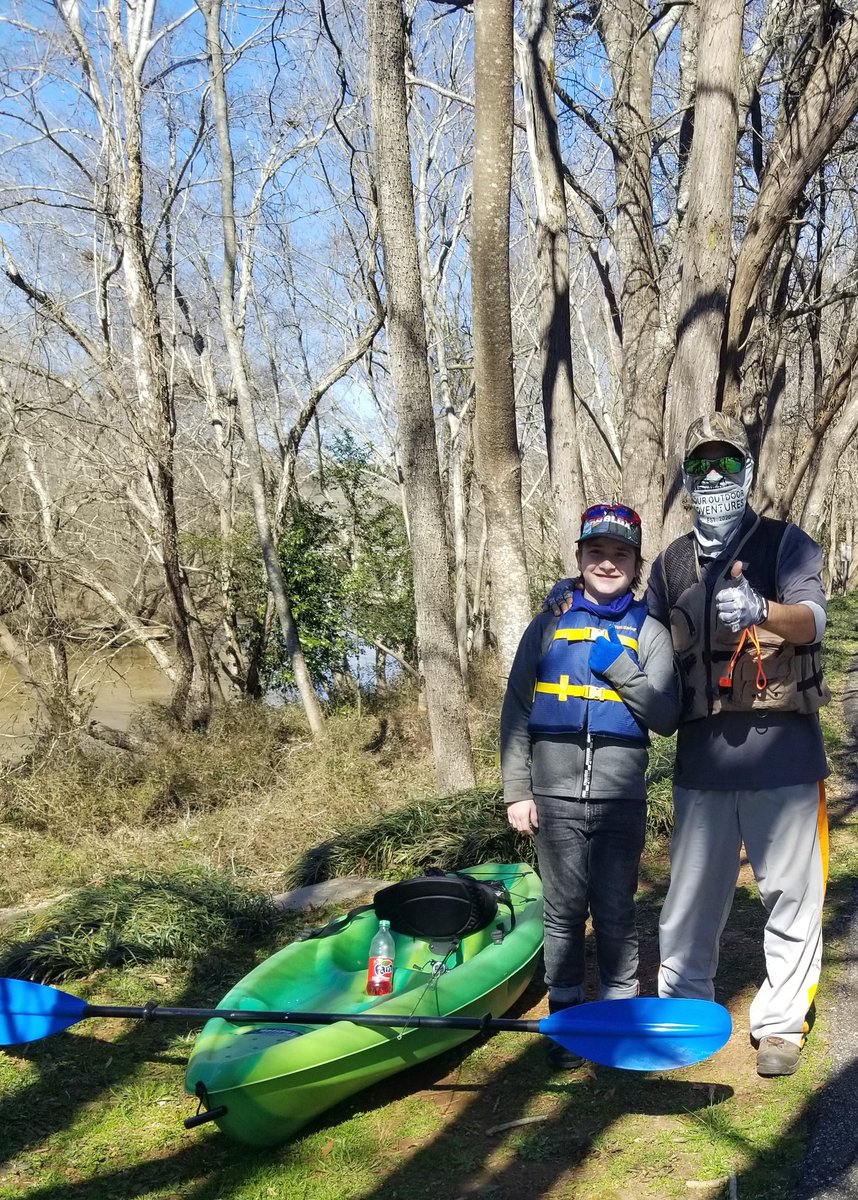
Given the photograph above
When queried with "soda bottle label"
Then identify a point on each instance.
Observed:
(379, 976)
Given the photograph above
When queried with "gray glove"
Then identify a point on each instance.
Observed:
(740, 606)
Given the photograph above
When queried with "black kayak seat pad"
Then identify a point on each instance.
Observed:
(438, 905)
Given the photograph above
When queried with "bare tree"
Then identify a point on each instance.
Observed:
(707, 235)
(113, 88)
(811, 125)
(211, 10)
(495, 436)
(445, 693)
(671, 117)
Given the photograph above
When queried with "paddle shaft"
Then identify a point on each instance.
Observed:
(243, 1016)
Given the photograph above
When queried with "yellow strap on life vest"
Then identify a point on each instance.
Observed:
(563, 690)
(590, 634)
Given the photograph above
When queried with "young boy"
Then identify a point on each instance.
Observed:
(583, 691)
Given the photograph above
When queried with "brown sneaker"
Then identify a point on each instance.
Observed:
(777, 1056)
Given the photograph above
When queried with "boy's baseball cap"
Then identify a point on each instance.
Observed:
(611, 520)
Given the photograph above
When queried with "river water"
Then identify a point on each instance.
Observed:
(120, 683)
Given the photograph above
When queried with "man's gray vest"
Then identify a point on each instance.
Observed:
(704, 646)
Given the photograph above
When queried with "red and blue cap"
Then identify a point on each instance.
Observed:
(611, 520)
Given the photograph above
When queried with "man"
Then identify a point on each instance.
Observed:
(744, 600)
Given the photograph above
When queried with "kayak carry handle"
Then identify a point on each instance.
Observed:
(200, 1118)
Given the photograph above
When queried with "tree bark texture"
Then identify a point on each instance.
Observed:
(552, 253)
(432, 279)
(813, 461)
(406, 333)
(496, 451)
(707, 250)
(821, 490)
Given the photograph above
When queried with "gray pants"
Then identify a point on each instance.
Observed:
(785, 833)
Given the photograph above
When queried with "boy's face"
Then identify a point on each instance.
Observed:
(607, 568)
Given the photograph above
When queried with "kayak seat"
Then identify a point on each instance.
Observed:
(438, 906)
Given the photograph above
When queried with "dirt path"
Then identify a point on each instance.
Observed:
(831, 1172)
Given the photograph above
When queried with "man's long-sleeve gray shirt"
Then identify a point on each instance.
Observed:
(553, 764)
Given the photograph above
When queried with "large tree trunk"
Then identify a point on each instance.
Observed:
(552, 252)
(496, 452)
(626, 31)
(707, 238)
(433, 278)
(445, 693)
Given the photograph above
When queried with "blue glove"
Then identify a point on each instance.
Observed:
(605, 651)
(560, 597)
(740, 606)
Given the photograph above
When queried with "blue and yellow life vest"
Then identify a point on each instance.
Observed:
(568, 697)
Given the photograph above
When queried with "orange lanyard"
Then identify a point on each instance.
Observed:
(760, 681)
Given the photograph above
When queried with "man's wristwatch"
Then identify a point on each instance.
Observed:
(764, 610)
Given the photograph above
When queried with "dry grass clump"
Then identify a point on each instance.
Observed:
(249, 752)
(37, 864)
(450, 832)
(184, 773)
(361, 764)
(249, 795)
(136, 919)
(359, 771)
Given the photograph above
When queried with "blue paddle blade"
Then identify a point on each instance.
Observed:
(644, 1034)
(29, 1011)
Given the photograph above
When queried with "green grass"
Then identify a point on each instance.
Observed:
(136, 919)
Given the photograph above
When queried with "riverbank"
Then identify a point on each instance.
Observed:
(120, 682)
(246, 798)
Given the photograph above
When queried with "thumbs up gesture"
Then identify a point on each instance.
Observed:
(739, 607)
(605, 651)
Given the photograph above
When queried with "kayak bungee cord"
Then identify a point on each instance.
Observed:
(439, 968)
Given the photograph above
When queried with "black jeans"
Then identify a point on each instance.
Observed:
(589, 852)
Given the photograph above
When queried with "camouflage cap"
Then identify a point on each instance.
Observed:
(716, 427)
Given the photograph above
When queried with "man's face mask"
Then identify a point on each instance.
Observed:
(718, 488)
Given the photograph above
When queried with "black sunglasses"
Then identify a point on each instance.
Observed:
(727, 464)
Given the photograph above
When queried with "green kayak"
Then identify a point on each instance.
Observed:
(266, 1081)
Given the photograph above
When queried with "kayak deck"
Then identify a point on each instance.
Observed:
(272, 1079)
